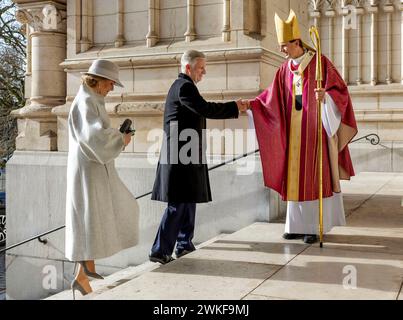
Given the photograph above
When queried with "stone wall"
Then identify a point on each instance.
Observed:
(146, 39)
(238, 201)
(364, 39)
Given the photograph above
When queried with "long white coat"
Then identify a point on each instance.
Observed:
(101, 214)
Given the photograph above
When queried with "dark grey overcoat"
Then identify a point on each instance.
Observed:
(182, 173)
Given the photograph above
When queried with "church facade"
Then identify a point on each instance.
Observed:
(146, 39)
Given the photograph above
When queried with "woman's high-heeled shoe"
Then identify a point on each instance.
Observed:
(88, 272)
(75, 285)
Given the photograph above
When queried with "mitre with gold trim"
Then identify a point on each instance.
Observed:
(288, 30)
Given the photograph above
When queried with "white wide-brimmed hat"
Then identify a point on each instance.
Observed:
(105, 69)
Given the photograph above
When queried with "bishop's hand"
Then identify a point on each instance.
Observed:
(320, 94)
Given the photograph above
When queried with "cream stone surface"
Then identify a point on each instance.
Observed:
(149, 134)
(391, 131)
(243, 141)
(169, 4)
(267, 72)
(62, 137)
(242, 66)
(362, 260)
(365, 128)
(73, 83)
(154, 80)
(211, 12)
(396, 156)
(173, 21)
(238, 278)
(44, 208)
(391, 102)
(215, 137)
(37, 135)
(216, 78)
(319, 274)
(126, 77)
(105, 35)
(135, 6)
(248, 72)
(135, 21)
(367, 157)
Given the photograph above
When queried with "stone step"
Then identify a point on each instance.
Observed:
(118, 278)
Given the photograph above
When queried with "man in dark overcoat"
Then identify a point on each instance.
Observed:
(182, 178)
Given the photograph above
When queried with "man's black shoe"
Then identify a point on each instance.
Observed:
(163, 259)
(181, 253)
(292, 236)
(310, 238)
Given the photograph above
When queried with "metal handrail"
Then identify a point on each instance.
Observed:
(44, 241)
(375, 140)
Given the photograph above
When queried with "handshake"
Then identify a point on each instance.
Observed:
(243, 105)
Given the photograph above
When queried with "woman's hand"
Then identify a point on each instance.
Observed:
(127, 137)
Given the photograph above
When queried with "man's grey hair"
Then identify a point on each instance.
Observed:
(189, 57)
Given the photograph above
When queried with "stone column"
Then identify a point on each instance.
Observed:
(36, 125)
(388, 8)
(120, 39)
(401, 37)
(29, 50)
(359, 12)
(373, 10)
(330, 14)
(345, 44)
(226, 30)
(86, 36)
(190, 33)
(314, 13)
(153, 23)
(252, 16)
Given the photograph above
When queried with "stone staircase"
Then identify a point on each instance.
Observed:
(118, 278)
(362, 260)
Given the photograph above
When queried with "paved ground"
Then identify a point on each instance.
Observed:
(363, 260)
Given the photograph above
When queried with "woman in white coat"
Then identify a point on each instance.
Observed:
(101, 213)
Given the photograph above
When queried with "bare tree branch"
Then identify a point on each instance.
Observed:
(12, 74)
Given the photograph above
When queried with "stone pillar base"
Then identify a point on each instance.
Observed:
(37, 128)
(36, 135)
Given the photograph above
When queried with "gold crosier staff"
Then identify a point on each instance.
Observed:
(314, 33)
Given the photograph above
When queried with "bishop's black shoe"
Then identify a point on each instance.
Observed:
(310, 238)
(163, 259)
(292, 236)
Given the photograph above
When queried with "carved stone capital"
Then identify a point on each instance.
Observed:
(330, 13)
(359, 11)
(43, 18)
(389, 8)
(373, 8)
(330, 5)
(314, 14)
